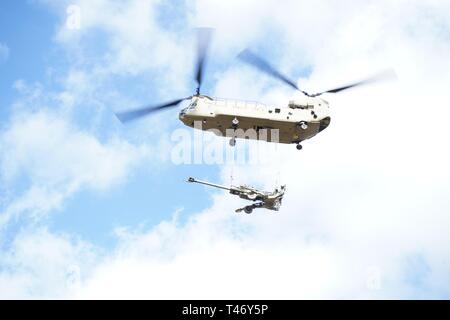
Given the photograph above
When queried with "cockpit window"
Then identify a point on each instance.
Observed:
(192, 105)
(294, 105)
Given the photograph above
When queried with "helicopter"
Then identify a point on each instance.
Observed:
(301, 120)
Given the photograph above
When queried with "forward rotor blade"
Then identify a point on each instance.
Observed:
(138, 113)
(250, 58)
(203, 42)
(385, 75)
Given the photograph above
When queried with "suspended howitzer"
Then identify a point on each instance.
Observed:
(261, 199)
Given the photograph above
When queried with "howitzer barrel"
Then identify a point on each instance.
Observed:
(192, 180)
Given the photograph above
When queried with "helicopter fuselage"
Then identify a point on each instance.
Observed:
(299, 121)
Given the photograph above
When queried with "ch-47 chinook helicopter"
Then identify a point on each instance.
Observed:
(301, 120)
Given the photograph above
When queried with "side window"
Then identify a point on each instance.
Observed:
(277, 110)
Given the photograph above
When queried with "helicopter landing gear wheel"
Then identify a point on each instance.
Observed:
(303, 125)
(234, 126)
(235, 123)
(299, 147)
(248, 210)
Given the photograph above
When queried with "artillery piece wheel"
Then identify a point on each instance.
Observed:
(248, 210)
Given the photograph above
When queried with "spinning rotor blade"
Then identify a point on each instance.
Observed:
(138, 113)
(250, 58)
(203, 42)
(381, 76)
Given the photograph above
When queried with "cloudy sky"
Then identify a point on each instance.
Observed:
(90, 208)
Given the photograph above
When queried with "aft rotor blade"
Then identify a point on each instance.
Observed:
(250, 58)
(138, 113)
(203, 43)
(385, 75)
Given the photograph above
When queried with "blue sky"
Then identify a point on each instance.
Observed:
(27, 59)
(90, 208)
(150, 195)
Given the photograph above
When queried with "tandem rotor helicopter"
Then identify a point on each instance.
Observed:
(301, 120)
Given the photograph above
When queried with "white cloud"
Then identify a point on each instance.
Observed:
(365, 198)
(321, 245)
(44, 147)
(58, 159)
(365, 214)
(210, 257)
(40, 264)
(135, 40)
